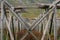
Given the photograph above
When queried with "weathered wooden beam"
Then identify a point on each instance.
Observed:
(17, 11)
(7, 11)
(2, 19)
(38, 6)
(55, 26)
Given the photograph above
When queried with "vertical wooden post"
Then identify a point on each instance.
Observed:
(40, 25)
(20, 26)
(51, 25)
(55, 26)
(2, 18)
(13, 27)
(18, 23)
(7, 36)
(47, 17)
(46, 27)
(43, 22)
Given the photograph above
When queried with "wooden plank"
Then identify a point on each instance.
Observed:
(55, 26)
(40, 5)
(2, 19)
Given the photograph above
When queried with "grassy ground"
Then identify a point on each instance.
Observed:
(34, 13)
(31, 13)
(30, 37)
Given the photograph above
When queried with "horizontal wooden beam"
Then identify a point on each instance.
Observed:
(40, 5)
(37, 6)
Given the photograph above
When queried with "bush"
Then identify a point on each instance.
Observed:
(29, 37)
(59, 32)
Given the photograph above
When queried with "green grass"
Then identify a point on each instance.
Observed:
(32, 13)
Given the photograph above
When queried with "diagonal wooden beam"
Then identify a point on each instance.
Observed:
(22, 21)
(12, 10)
(46, 27)
(47, 12)
(44, 15)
